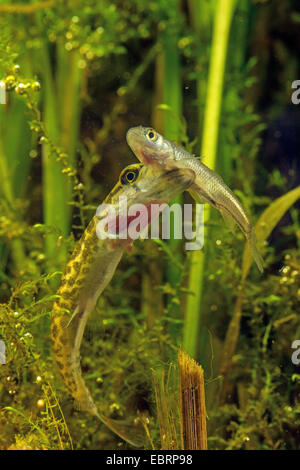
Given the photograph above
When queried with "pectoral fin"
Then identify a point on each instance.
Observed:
(229, 221)
(132, 433)
(200, 196)
(73, 316)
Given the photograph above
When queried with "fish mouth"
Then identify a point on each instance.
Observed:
(134, 137)
(142, 149)
(129, 225)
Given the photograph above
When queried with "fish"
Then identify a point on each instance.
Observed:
(91, 268)
(153, 149)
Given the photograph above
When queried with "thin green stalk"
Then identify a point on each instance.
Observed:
(16, 143)
(222, 21)
(152, 299)
(166, 119)
(69, 84)
(172, 98)
(201, 15)
(55, 184)
(69, 88)
(11, 183)
(16, 246)
(231, 107)
(6, 188)
(61, 118)
(26, 9)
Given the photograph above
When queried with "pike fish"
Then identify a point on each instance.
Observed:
(152, 149)
(92, 266)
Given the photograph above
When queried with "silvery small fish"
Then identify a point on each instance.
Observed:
(151, 148)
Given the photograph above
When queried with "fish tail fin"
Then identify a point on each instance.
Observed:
(251, 237)
(131, 432)
(73, 316)
(256, 256)
(84, 401)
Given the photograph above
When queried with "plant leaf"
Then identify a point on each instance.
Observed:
(267, 222)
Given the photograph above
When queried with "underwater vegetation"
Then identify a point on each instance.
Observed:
(219, 77)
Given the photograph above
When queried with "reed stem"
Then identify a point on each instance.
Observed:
(222, 21)
(192, 403)
(167, 412)
(172, 98)
(27, 9)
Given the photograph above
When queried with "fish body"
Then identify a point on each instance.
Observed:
(153, 149)
(90, 269)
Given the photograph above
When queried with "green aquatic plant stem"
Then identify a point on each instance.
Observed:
(223, 17)
(171, 123)
(55, 184)
(5, 175)
(16, 141)
(172, 98)
(61, 118)
(7, 190)
(232, 97)
(26, 9)
(167, 111)
(201, 16)
(69, 88)
(69, 94)
(222, 21)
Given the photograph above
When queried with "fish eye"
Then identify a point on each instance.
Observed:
(129, 176)
(152, 135)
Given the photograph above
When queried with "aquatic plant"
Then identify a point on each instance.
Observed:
(77, 75)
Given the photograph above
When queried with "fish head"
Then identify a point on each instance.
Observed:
(150, 147)
(140, 196)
